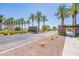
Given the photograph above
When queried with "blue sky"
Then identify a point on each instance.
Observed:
(24, 10)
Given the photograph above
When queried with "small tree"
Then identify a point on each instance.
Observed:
(54, 28)
(45, 28)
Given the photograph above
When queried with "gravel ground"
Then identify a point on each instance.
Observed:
(42, 47)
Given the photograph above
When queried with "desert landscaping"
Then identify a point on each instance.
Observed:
(50, 46)
(39, 29)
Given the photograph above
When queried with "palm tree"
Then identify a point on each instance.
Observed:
(5, 23)
(38, 19)
(22, 22)
(28, 22)
(1, 19)
(32, 17)
(18, 22)
(10, 23)
(44, 19)
(74, 9)
(62, 12)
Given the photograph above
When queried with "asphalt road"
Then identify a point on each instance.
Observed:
(11, 41)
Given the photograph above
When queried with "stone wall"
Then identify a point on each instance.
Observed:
(61, 29)
(77, 31)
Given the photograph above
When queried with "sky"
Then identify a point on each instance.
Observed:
(24, 10)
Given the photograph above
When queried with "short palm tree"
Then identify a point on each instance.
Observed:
(1, 19)
(18, 22)
(10, 23)
(38, 19)
(32, 17)
(62, 13)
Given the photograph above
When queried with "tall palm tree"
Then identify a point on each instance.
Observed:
(22, 22)
(32, 17)
(74, 9)
(62, 13)
(43, 20)
(28, 22)
(38, 19)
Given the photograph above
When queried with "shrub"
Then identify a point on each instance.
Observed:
(6, 33)
(1, 32)
(52, 39)
(11, 33)
(43, 43)
(17, 29)
(24, 31)
(77, 35)
(61, 33)
(54, 28)
(21, 32)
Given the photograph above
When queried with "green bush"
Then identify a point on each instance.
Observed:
(17, 29)
(61, 33)
(0, 32)
(24, 31)
(5, 33)
(12, 32)
(21, 32)
(8, 33)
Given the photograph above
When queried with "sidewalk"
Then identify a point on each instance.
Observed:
(71, 47)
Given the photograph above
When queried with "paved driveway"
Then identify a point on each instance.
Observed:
(71, 47)
(10, 41)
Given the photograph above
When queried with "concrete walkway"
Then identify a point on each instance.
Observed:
(71, 47)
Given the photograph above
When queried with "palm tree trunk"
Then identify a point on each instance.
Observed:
(32, 23)
(75, 24)
(43, 26)
(38, 25)
(10, 26)
(73, 20)
(43, 23)
(19, 25)
(22, 26)
(62, 22)
(28, 25)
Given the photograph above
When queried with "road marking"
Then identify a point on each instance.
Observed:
(24, 44)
